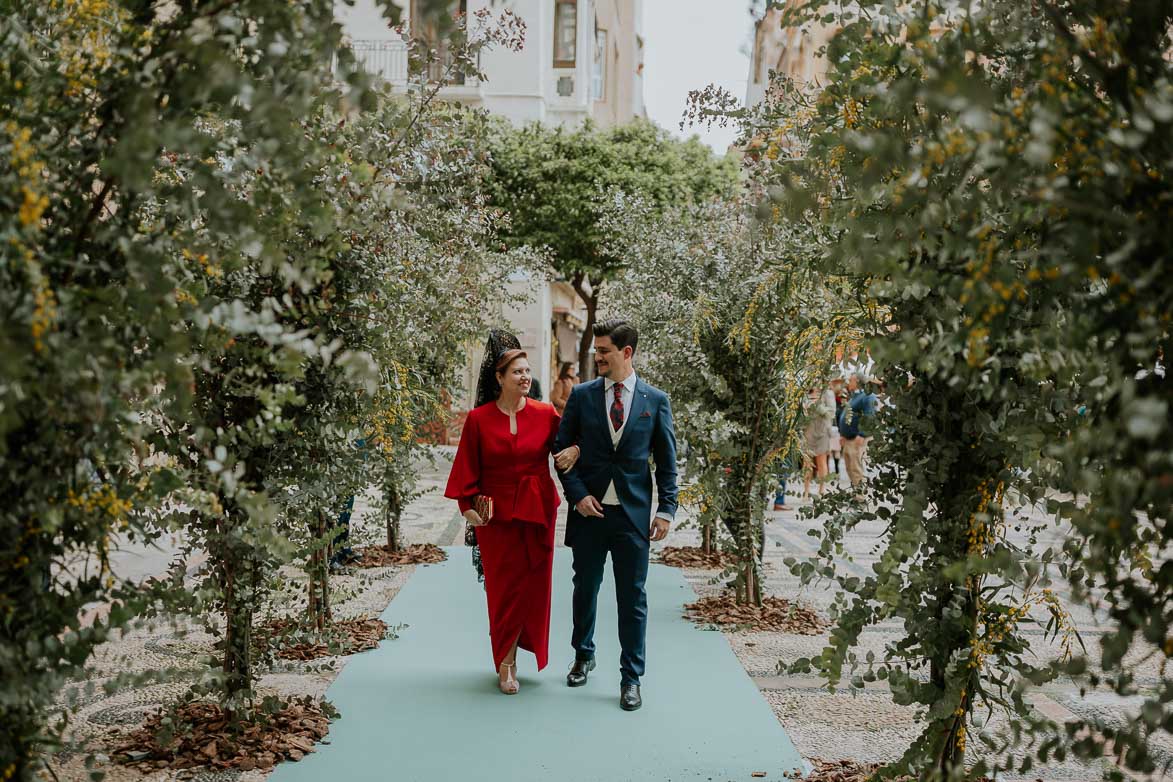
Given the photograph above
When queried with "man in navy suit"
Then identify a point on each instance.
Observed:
(619, 423)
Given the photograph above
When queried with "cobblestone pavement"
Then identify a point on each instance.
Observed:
(822, 724)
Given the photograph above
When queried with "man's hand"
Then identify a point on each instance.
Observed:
(589, 506)
(473, 518)
(660, 528)
(566, 459)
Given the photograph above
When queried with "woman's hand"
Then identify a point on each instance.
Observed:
(566, 459)
(473, 518)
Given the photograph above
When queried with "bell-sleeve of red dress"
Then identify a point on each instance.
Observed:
(464, 480)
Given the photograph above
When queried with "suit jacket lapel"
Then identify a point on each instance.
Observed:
(638, 402)
(599, 394)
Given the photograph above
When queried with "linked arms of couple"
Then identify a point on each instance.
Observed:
(564, 460)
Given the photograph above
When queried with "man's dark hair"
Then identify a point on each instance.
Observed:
(620, 331)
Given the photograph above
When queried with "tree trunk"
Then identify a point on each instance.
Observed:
(237, 639)
(707, 538)
(952, 545)
(751, 591)
(747, 533)
(319, 579)
(588, 336)
(952, 754)
(394, 515)
(236, 576)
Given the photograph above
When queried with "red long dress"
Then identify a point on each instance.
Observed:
(517, 546)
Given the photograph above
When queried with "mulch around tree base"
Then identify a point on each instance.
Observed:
(347, 636)
(416, 554)
(850, 771)
(692, 557)
(202, 736)
(842, 771)
(776, 614)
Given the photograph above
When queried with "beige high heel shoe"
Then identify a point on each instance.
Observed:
(508, 684)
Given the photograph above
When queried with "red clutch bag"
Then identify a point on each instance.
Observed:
(483, 505)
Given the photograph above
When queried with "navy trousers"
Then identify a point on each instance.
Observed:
(613, 534)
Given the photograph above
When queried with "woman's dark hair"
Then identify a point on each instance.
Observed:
(499, 342)
(507, 358)
(622, 333)
(564, 373)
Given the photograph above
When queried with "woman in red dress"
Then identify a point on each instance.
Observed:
(504, 454)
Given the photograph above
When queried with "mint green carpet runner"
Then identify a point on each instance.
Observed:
(425, 707)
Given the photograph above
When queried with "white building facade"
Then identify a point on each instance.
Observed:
(582, 59)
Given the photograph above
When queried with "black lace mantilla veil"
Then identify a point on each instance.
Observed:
(488, 389)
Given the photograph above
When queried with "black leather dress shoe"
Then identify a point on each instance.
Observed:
(629, 699)
(578, 672)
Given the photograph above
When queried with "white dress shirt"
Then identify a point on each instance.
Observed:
(628, 396)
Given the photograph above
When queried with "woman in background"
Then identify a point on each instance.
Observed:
(816, 447)
(567, 379)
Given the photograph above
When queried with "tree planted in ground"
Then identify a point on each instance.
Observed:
(98, 99)
(290, 402)
(736, 323)
(553, 183)
(423, 272)
(912, 159)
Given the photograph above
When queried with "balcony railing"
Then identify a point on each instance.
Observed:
(385, 59)
(389, 61)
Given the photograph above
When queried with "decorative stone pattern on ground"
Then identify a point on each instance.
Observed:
(101, 720)
(851, 771)
(867, 727)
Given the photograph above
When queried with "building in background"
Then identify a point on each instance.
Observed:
(582, 59)
(792, 52)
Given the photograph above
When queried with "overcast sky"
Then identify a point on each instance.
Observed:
(690, 44)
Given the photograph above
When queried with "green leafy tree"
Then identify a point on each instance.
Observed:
(989, 175)
(174, 248)
(288, 389)
(736, 322)
(96, 96)
(553, 183)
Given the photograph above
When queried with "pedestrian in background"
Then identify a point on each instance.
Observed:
(567, 380)
(839, 389)
(856, 425)
(785, 470)
(816, 447)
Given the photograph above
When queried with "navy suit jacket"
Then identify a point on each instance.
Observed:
(648, 435)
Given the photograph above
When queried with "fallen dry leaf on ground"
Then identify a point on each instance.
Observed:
(347, 636)
(202, 736)
(851, 771)
(692, 557)
(776, 614)
(416, 554)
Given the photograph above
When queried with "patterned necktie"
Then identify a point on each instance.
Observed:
(617, 408)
